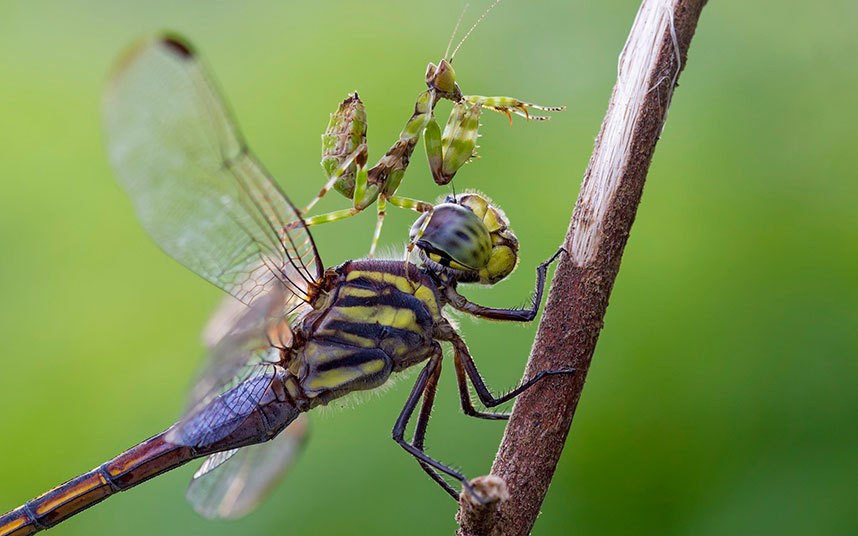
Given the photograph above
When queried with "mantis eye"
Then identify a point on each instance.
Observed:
(442, 78)
(430, 73)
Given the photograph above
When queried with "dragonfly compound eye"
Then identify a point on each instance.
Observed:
(454, 237)
(467, 233)
(504, 250)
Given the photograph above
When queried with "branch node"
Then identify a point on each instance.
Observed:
(476, 518)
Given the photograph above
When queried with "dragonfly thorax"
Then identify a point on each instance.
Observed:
(372, 321)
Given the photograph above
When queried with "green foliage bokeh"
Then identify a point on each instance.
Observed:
(721, 398)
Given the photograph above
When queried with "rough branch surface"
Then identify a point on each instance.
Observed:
(648, 70)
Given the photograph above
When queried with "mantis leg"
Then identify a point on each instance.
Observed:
(363, 197)
(382, 211)
(449, 151)
(401, 202)
(511, 105)
(359, 155)
(332, 216)
(417, 206)
(410, 204)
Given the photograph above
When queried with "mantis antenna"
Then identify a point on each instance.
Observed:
(468, 33)
(455, 30)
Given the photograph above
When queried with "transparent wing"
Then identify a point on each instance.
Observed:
(196, 188)
(240, 337)
(225, 413)
(231, 484)
(239, 342)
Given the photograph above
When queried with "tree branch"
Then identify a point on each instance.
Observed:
(648, 70)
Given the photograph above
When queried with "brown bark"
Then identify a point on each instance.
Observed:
(649, 68)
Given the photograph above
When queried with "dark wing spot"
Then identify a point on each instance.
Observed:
(178, 45)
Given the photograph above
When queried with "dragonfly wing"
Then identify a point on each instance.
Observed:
(244, 378)
(250, 412)
(225, 318)
(231, 484)
(196, 188)
(239, 338)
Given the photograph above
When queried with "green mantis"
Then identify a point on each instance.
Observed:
(345, 151)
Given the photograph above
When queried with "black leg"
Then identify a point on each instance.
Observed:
(419, 437)
(465, 397)
(518, 315)
(464, 361)
(402, 422)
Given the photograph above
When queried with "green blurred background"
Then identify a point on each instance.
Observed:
(722, 396)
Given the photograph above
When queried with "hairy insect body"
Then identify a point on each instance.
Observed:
(371, 321)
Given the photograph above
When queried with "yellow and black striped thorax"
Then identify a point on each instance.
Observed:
(371, 320)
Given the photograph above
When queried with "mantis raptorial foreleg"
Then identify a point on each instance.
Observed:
(344, 155)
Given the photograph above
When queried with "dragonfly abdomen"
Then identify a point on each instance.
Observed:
(260, 408)
(138, 464)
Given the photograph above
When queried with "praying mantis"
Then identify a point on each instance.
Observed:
(345, 151)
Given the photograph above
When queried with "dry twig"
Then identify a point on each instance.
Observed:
(648, 70)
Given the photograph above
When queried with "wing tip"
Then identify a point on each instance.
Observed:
(176, 44)
(171, 42)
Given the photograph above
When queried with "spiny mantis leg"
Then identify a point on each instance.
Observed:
(360, 155)
(511, 105)
(462, 358)
(449, 151)
(392, 166)
(518, 315)
(361, 196)
(402, 422)
(423, 422)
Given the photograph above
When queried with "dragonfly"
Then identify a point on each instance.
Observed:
(345, 151)
(296, 335)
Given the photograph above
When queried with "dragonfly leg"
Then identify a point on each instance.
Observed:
(465, 398)
(518, 315)
(416, 450)
(419, 437)
(463, 360)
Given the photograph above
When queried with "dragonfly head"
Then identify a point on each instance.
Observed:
(468, 236)
(442, 78)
